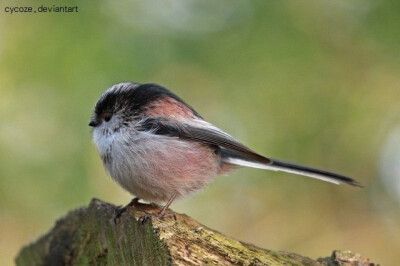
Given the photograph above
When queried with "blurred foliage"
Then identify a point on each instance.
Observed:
(314, 82)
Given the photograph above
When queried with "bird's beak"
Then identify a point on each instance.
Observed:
(93, 123)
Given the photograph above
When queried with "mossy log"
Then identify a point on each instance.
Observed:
(89, 236)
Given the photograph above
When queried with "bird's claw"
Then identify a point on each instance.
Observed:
(144, 218)
(148, 216)
(118, 213)
(121, 210)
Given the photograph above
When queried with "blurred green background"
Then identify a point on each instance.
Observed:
(313, 82)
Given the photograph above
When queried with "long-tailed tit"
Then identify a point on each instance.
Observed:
(159, 148)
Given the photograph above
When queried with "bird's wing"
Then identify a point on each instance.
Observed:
(233, 151)
(202, 132)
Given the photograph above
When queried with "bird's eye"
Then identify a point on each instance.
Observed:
(107, 117)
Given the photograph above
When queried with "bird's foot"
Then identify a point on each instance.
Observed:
(161, 215)
(121, 210)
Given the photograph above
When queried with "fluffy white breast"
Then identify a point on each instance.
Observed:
(102, 139)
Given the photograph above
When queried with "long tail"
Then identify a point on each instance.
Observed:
(277, 165)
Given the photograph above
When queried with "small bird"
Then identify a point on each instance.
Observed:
(159, 148)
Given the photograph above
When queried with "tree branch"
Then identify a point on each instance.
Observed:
(89, 236)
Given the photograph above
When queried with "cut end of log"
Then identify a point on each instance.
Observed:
(90, 236)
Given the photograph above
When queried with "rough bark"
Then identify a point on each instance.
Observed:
(89, 236)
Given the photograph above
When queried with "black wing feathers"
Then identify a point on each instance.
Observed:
(163, 126)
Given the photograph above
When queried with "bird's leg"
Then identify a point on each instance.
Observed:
(120, 211)
(161, 214)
